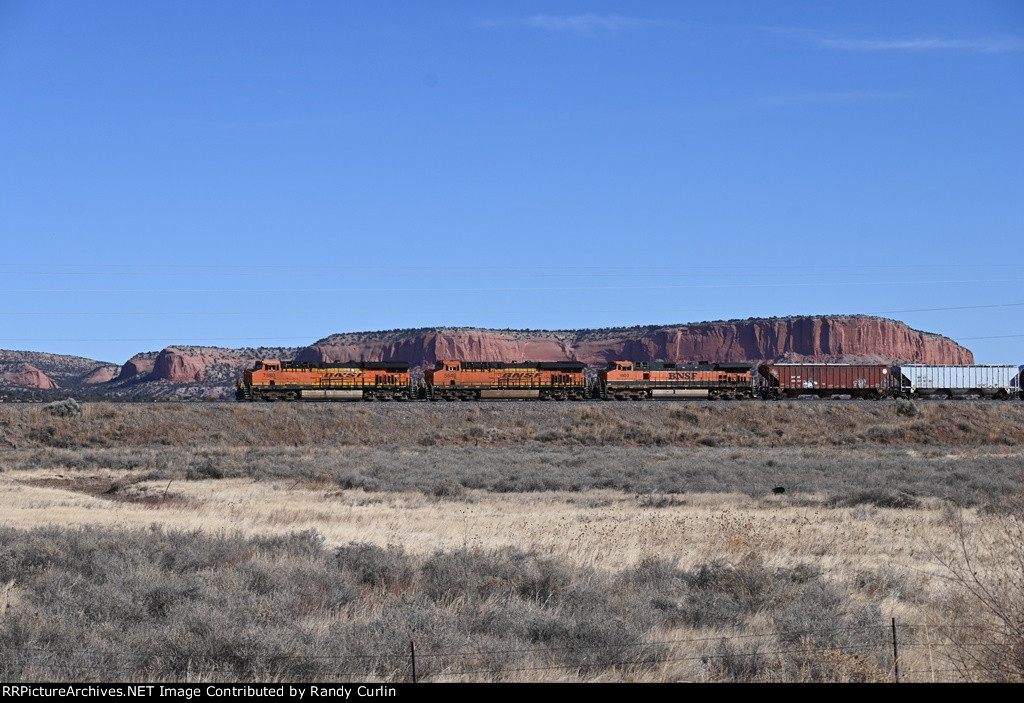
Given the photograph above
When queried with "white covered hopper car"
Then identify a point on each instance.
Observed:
(919, 380)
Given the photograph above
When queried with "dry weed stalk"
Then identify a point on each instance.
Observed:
(986, 568)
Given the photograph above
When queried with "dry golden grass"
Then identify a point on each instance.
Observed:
(808, 423)
(601, 528)
(193, 468)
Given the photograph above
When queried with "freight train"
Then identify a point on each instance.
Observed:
(622, 380)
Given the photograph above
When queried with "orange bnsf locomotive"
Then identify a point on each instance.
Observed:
(473, 380)
(638, 380)
(354, 380)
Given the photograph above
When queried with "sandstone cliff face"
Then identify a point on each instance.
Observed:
(136, 367)
(849, 339)
(203, 365)
(793, 339)
(64, 370)
(175, 367)
(427, 347)
(100, 375)
(177, 364)
(27, 376)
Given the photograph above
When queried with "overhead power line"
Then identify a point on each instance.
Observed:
(507, 289)
(291, 311)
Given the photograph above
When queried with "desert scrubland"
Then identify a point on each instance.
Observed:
(731, 541)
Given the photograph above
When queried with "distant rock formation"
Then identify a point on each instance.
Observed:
(62, 370)
(175, 367)
(837, 339)
(26, 375)
(193, 364)
(100, 375)
(138, 367)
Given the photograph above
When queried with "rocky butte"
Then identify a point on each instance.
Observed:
(26, 375)
(850, 339)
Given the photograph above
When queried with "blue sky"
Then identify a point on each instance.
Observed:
(269, 173)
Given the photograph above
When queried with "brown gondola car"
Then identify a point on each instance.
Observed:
(639, 380)
(353, 380)
(826, 380)
(482, 380)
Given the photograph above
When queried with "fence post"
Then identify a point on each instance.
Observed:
(895, 652)
(412, 651)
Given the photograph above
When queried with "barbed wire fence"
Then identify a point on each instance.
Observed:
(884, 653)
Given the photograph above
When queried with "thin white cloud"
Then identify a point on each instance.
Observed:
(985, 46)
(575, 24)
(989, 45)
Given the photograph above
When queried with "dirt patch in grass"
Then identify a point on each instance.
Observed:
(123, 490)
